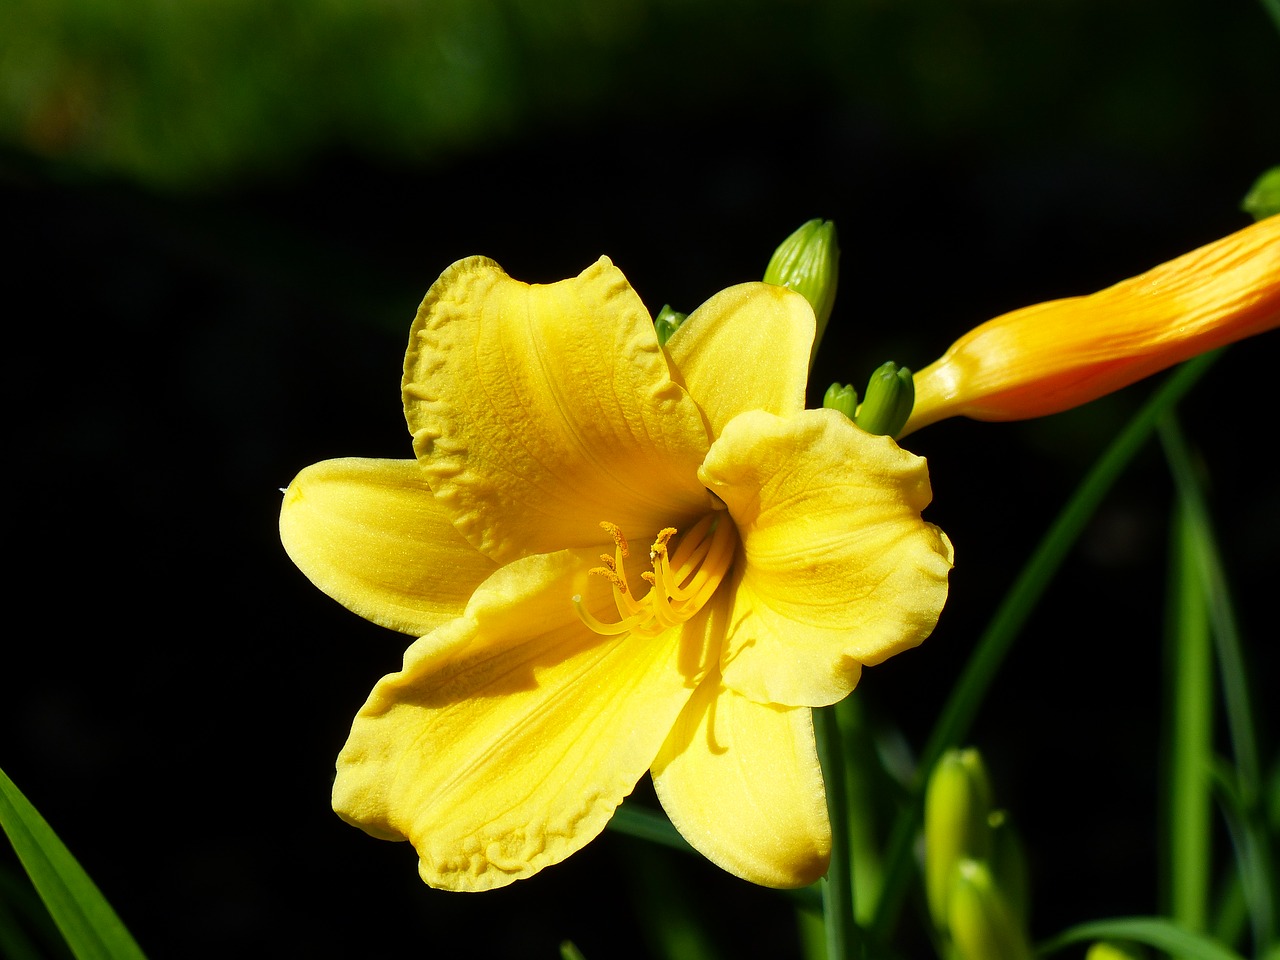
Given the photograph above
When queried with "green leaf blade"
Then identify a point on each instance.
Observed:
(1155, 932)
(90, 926)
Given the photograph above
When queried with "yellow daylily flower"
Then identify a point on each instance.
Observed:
(1054, 356)
(622, 557)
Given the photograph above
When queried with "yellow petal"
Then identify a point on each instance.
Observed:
(747, 348)
(741, 782)
(539, 411)
(512, 733)
(370, 534)
(838, 569)
(1054, 356)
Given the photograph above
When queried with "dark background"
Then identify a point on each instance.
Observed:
(220, 218)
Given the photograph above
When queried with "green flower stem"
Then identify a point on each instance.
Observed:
(1190, 684)
(1250, 827)
(844, 939)
(966, 696)
(864, 778)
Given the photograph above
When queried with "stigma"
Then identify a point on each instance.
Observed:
(681, 581)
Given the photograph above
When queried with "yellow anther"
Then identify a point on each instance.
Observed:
(659, 548)
(610, 575)
(618, 539)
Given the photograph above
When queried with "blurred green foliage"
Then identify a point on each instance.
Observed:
(194, 93)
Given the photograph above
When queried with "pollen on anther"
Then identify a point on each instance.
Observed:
(659, 547)
(612, 576)
(616, 532)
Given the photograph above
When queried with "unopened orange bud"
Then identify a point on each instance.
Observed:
(1057, 355)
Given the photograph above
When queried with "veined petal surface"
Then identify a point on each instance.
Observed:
(370, 534)
(512, 733)
(741, 782)
(1054, 356)
(747, 348)
(540, 410)
(838, 569)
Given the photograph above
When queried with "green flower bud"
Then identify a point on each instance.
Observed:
(982, 925)
(957, 804)
(841, 397)
(1116, 950)
(667, 322)
(1263, 199)
(1009, 865)
(890, 395)
(807, 262)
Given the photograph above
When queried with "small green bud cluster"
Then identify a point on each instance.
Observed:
(975, 874)
(667, 322)
(1263, 198)
(887, 403)
(891, 393)
(842, 397)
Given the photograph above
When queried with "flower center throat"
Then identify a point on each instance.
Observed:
(680, 583)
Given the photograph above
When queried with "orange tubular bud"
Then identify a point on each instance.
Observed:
(1053, 356)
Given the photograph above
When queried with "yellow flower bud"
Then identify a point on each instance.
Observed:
(1115, 950)
(982, 925)
(956, 807)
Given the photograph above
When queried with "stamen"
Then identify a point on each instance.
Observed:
(610, 574)
(605, 629)
(659, 547)
(618, 539)
(681, 582)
